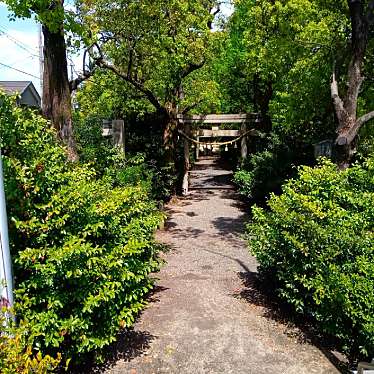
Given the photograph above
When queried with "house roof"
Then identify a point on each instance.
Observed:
(13, 87)
(19, 87)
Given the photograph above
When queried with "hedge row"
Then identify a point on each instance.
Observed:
(82, 244)
(317, 240)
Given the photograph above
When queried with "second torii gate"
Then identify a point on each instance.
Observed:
(214, 119)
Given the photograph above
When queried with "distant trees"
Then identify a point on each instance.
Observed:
(284, 53)
(154, 46)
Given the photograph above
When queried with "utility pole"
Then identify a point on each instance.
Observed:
(71, 71)
(41, 59)
(6, 276)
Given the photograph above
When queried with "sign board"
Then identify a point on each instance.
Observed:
(323, 149)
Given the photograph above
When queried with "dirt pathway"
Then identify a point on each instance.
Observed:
(205, 317)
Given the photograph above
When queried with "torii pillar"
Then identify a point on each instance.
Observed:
(244, 146)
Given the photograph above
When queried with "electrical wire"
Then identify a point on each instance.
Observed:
(6, 31)
(20, 44)
(23, 60)
(20, 71)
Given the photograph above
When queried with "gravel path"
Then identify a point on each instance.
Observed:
(206, 316)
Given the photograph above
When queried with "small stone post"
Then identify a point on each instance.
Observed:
(197, 148)
(118, 130)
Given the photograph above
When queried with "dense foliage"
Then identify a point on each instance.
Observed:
(82, 234)
(17, 355)
(82, 244)
(280, 54)
(317, 241)
(266, 169)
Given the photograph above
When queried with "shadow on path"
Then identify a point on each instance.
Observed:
(129, 344)
(257, 292)
(230, 226)
(210, 313)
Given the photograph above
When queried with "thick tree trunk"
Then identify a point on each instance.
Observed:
(346, 110)
(170, 135)
(56, 90)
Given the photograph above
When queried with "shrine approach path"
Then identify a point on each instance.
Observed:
(206, 315)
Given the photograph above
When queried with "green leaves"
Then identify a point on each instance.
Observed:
(155, 44)
(82, 244)
(16, 353)
(317, 241)
(50, 13)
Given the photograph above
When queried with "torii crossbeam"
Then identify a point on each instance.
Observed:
(215, 119)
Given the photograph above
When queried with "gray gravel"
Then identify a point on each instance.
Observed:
(197, 321)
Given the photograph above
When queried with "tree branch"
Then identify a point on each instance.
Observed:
(191, 68)
(210, 22)
(340, 111)
(365, 118)
(190, 107)
(138, 85)
(74, 84)
(347, 134)
(100, 62)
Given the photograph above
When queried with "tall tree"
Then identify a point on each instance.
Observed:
(56, 86)
(154, 46)
(56, 89)
(362, 20)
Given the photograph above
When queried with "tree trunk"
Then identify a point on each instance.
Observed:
(170, 135)
(346, 110)
(56, 90)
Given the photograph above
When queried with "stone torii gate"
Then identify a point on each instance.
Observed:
(197, 136)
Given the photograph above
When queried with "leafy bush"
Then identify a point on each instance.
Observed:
(82, 245)
(16, 353)
(317, 241)
(265, 170)
(142, 163)
(92, 146)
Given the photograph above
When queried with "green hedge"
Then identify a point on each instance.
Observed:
(16, 352)
(270, 165)
(317, 240)
(82, 245)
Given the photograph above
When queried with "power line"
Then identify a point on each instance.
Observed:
(17, 42)
(20, 71)
(22, 60)
(6, 31)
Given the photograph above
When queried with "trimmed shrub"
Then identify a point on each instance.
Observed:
(317, 241)
(16, 352)
(265, 171)
(83, 245)
(143, 160)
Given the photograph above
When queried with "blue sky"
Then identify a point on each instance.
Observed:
(19, 47)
